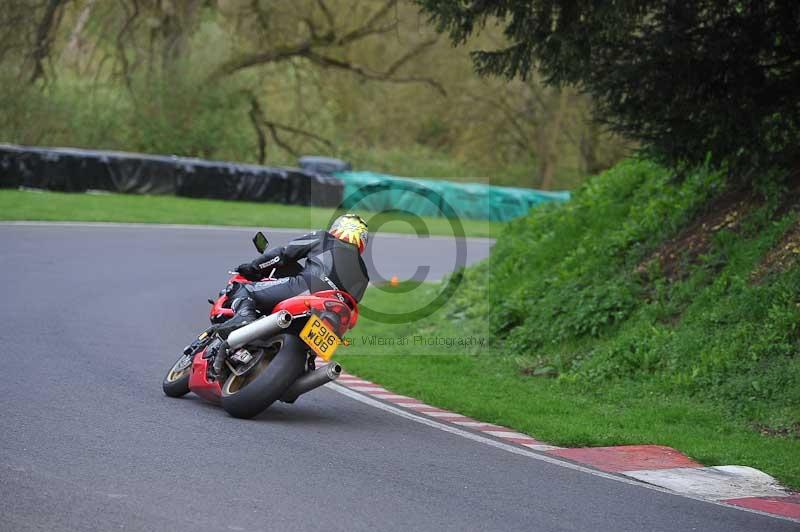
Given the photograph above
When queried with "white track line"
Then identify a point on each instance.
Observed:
(135, 225)
(387, 396)
(540, 446)
(524, 452)
(445, 414)
(506, 434)
(368, 389)
(473, 424)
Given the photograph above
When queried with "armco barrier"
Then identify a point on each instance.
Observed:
(76, 170)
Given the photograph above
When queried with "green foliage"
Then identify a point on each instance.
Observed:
(161, 116)
(575, 288)
(497, 385)
(684, 78)
(168, 116)
(263, 81)
(591, 343)
(568, 272)
(57, 206)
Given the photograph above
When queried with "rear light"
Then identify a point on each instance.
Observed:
(342, 313)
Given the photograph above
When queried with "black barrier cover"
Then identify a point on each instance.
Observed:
(313, 189)
(9, 175)
(139, 174)
(68, 170)
(325, 191)
(75, 170)
(40, 168)
(259, 183)
(203, 179)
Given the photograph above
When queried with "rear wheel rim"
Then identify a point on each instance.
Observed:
(235, 383)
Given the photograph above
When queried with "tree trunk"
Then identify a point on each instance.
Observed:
(42, 46)
(548, 156)
(72, 52)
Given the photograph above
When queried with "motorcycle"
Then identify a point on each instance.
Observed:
(272, 358)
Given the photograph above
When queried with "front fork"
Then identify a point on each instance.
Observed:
(218, 349)
(215, 348)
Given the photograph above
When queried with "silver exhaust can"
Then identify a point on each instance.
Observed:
(311, 380)
(261, 328)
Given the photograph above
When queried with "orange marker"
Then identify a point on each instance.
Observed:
(394, 281)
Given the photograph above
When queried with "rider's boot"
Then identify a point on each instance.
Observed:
(245, 313)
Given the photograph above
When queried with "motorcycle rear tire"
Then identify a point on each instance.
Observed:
(247, 396)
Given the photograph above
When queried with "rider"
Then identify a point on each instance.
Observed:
(333, 262)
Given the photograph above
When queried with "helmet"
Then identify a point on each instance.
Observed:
(351, 228)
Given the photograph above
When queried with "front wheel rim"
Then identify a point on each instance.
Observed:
(179, 369)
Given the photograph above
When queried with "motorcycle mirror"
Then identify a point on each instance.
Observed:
(260, 242)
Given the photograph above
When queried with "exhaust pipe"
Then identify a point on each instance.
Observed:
(313, 379)
(261, 328)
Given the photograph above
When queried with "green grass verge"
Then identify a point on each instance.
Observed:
(648, 309)
(52, 206)
(485, 383)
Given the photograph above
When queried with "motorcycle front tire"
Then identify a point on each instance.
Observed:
(176, 381)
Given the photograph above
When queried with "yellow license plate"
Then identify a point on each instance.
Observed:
(320, 337)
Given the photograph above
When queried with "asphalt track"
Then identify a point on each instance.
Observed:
(91, 320)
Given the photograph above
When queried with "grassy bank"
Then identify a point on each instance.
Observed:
(35, 205)
(647, 310)
(486, 384)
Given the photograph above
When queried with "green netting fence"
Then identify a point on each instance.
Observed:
(427, 197)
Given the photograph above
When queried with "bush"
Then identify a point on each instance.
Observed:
(569, 271)
(574, 290)
(156, 116)
(683, 78)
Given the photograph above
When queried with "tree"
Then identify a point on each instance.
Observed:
(154, 47)
(688, 80)
(265, 80)
(312, 35)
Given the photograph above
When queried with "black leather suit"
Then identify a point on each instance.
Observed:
(330, 264)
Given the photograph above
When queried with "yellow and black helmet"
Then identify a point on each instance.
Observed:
(351, 228)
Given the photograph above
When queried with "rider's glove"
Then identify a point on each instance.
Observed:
(249, 272)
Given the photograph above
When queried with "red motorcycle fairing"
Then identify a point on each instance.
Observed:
(335, 301)
(218, 311)
(199, 383)
(297, 305)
